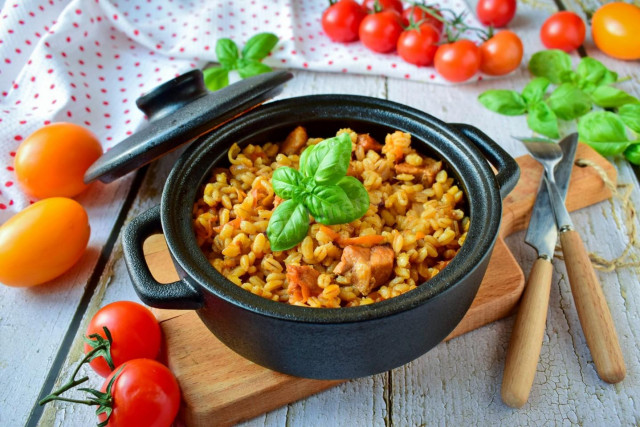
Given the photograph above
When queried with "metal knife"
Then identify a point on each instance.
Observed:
(526, 337)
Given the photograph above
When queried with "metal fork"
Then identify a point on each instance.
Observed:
(593, 312)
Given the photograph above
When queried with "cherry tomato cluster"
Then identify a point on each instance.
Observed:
(426, 35)
(121, 343)
(614, 30)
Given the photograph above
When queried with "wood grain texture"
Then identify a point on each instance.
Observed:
(526, 337)
(593, 311)
(234, 388)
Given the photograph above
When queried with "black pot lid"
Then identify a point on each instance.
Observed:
(179, 111)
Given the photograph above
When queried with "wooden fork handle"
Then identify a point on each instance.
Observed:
(593, 312)
(526, 337)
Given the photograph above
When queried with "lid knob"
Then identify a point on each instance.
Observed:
(172, 95)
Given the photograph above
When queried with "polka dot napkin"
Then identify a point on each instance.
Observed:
(86, 61)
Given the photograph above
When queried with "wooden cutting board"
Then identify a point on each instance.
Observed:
(220, 387)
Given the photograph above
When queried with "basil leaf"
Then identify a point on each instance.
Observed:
(330, 204)
(534, 91)
(227, 53)
(609, 77)
(507, 102)
(259, 46)
(541, 119)
(632, 153)
(550, 64)
(253, 68)
(603, 131)
(611, 97)
(329, 160)
(285, 181)
(630, 115)
(288, 225)
(215, 78)
(568, 102)
(590, 70)
(357, 195)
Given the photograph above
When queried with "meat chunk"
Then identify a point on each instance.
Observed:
(295, 141)
(425, 173)
(367, 268)
(368, 143)
(303, 282)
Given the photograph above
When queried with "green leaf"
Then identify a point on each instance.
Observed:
(507, 102)
(541, 119)
(227, 53)
(553, 64)
(357, 194)
(603, 131)
(630, 115)
(253, 68)
(568, 102)
(611, 97)
(288, 225)
(328, 161)
(590, 70)
(215, 78)
(286, 181)
(534, 91)
(259, 46)
(632, 153)
(330, 204)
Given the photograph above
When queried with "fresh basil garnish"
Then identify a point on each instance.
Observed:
(259, 46)
(320, 188)
(553, 64)
(534, 91)
(568, 102)
(542, 119)
(288, 225)
(611, 97)
(227, 53)
(630, 115)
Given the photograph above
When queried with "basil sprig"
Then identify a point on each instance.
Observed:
(320, 188)
(576, 94)
(247, 65)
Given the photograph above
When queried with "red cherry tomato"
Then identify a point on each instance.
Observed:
(418, 15)
(380, 31)
(496, 12)
(614, 28)
(563, 30)
(134, 330)
(458, 61)
(342, 19)
(370, 5)
(501, 54)
(51, 162)
(145, 393)
(419, 46)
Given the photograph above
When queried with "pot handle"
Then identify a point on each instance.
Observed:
(180, 295)
(508, 170)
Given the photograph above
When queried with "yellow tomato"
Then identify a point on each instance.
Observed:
(51, 162)
(43, 241)
(615, 29)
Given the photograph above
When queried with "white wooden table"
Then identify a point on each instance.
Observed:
(457, 383)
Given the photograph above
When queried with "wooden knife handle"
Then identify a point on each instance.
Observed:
(593, 311)
(526, 337)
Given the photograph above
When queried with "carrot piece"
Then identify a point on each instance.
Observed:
(370, 240)
(420, 235)
(235, 223)
(332, 234)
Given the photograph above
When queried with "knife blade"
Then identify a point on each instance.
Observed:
(542, 233)
(528, 330)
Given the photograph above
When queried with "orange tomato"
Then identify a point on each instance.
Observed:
(614, 28)
(501, 54)
(51, 162)
(43, 241)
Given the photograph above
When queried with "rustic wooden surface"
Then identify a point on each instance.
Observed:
(457, 383)
(219, 384)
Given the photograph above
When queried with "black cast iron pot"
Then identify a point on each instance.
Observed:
(326, 343)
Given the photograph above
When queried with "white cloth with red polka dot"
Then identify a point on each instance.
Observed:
(87, 61)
